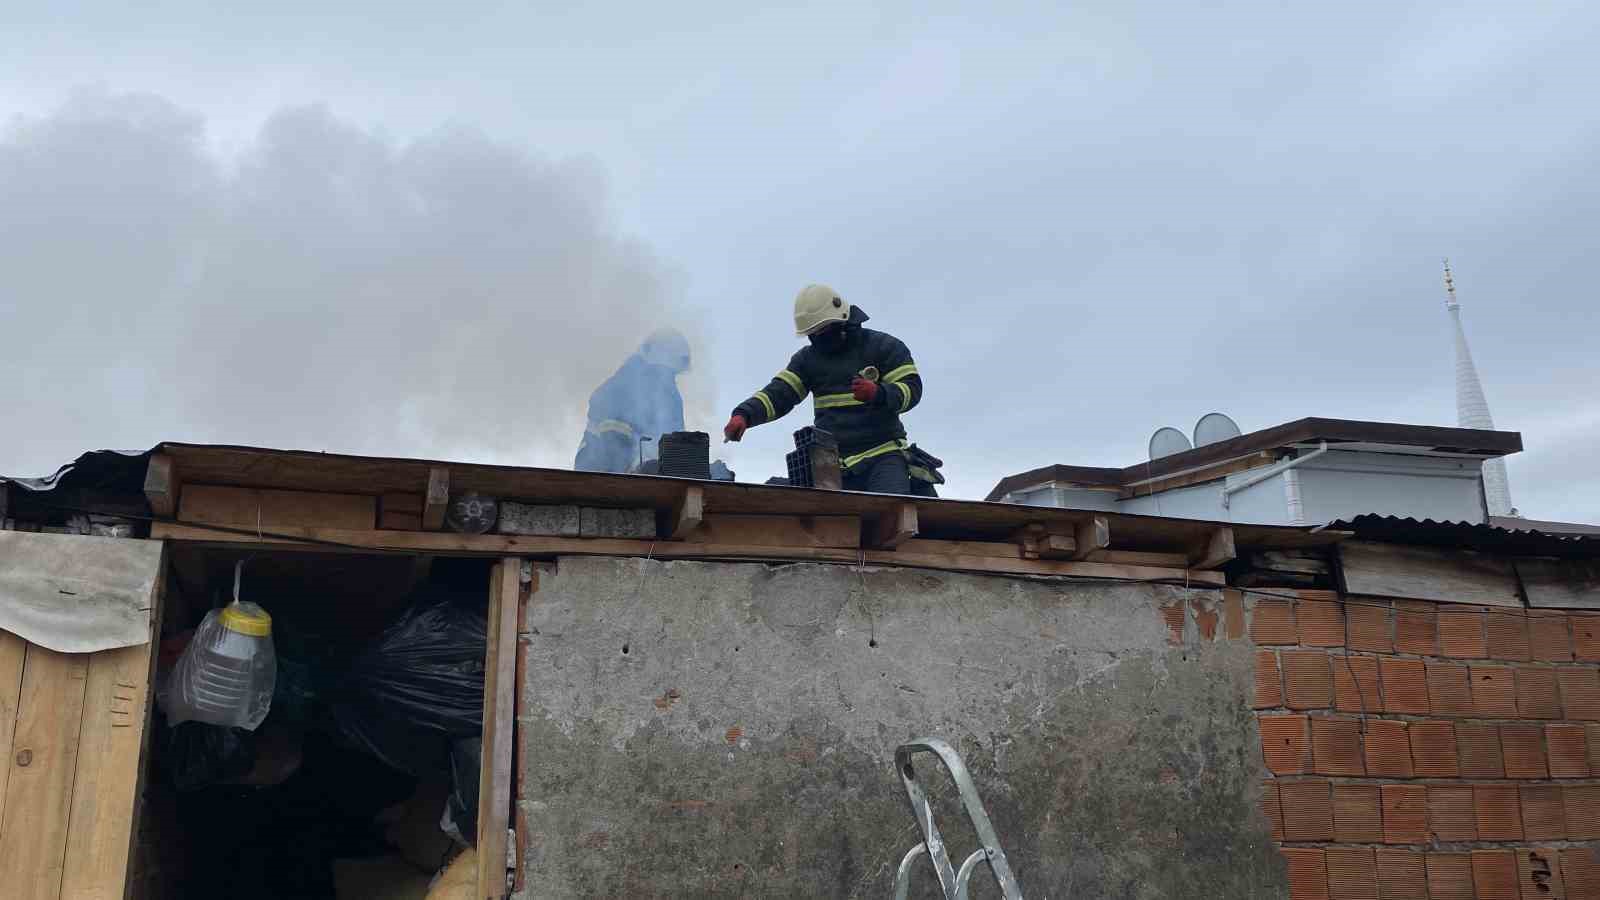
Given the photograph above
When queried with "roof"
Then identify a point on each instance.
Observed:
(1354, 435)
(1467, 536)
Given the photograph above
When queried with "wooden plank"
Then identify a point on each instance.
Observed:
(1093, 533)
(502, 544)
(1199, 476)
(161, 485)
(12, 651)
(436, 498)
(1139, 558)
(780, 531)
(894, 528)
(1217, 550)
(248, 507)
(1561, 583)
(686, 513)
(928, 547)
(400, 512)
(1426, 573)
(43, 759)
(499, 714)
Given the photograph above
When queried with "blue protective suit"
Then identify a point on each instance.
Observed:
(641, 400)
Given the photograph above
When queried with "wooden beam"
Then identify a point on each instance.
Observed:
(402, 512)
(1092, 534)
(961, 548)
(1561, 583)
(436, 498)
(1217, 550)
(499, 717)
(211, 504)
(161, 485)
(896, 527)
(1140, 558)
(687, 513)
(843, 532)
(1426, 573)
(43, 759)
(503, 544)
(1027, 539)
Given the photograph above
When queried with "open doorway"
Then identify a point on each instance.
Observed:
(362, 780)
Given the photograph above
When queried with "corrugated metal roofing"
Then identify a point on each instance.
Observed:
(1466, 535)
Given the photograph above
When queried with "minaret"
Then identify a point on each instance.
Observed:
(1472, 410)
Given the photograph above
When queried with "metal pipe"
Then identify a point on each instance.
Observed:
(1271, 472)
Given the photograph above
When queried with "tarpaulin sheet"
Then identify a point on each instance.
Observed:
(77, 593)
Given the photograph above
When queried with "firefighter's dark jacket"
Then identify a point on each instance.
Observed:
(863, 430)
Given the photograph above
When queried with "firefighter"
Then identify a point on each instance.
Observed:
(635, 406)
(861, 381)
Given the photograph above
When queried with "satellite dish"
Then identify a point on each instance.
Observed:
(1214, 427)
(1167, 441)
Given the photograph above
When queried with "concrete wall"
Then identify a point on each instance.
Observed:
(727, 730)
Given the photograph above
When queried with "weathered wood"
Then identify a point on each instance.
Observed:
(43, 760)
(1027, 539)
(780, 531)
(1286, 562)
(1561, 583)
(1425, 573)
(398, 502)
(499, 714)
(246, 507)
(1092, 534)
(1217, 550)
(547, 547)
(400, 512)
(894, 528)
(686, 513)
(961, 548)
(12, 651)
(161, 485)
(436, 498)
(1140, 558)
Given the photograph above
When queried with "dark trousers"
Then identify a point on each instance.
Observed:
(884, 474)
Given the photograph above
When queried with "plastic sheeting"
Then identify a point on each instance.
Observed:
(77, 593)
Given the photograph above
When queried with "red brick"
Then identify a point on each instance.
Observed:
(1357, 814)
(1580, 869)
(1307, 679)
(1498, 809)
(1388, 749)
(1537, 694)
(1286, 744)
(1405, 814)
(1336, 747)
(1173, 615)
(1543, 815)
(1433, 749)
(1269, 683)
(1233, 614)
(1480, 750)
(1352, 874)
(1580, 692)
(1370, 627)
(1448, 692)
(1581, 806)
(1348, 673)
(1539, 873)
(1401, 875)
(1449, 876)
(1307, 810)
(1308, 874)
(1568, 749)
(1494, 692)
(1205, 618)
(1461, 632)
(1272, 809)
(1405, 685)
(1523, 746)
(1594, 747)
(1272, 622)
(1415, 628)
(1507, 633)
(1450, 813)
(1494, 875)
(1585, 636)
(1548, 636)
(1321, 623)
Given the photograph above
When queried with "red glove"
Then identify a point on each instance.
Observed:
(735, 428)
(864, 390)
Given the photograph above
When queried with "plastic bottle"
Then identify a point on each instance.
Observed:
(227, 673)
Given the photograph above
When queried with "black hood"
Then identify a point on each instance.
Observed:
(857, 316)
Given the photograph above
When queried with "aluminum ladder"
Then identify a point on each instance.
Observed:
(953, 883)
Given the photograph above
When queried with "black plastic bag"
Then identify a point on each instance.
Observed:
(199, 755)
(418, 688)
(466, 760)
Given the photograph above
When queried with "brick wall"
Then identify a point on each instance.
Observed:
(1423, 750)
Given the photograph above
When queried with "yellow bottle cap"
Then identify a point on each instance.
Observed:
(255, 623)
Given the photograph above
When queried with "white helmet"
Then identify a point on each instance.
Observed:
(817, 307)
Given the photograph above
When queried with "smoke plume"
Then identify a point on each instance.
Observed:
(323, 288)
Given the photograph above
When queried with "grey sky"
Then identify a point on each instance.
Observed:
(1086, 220)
